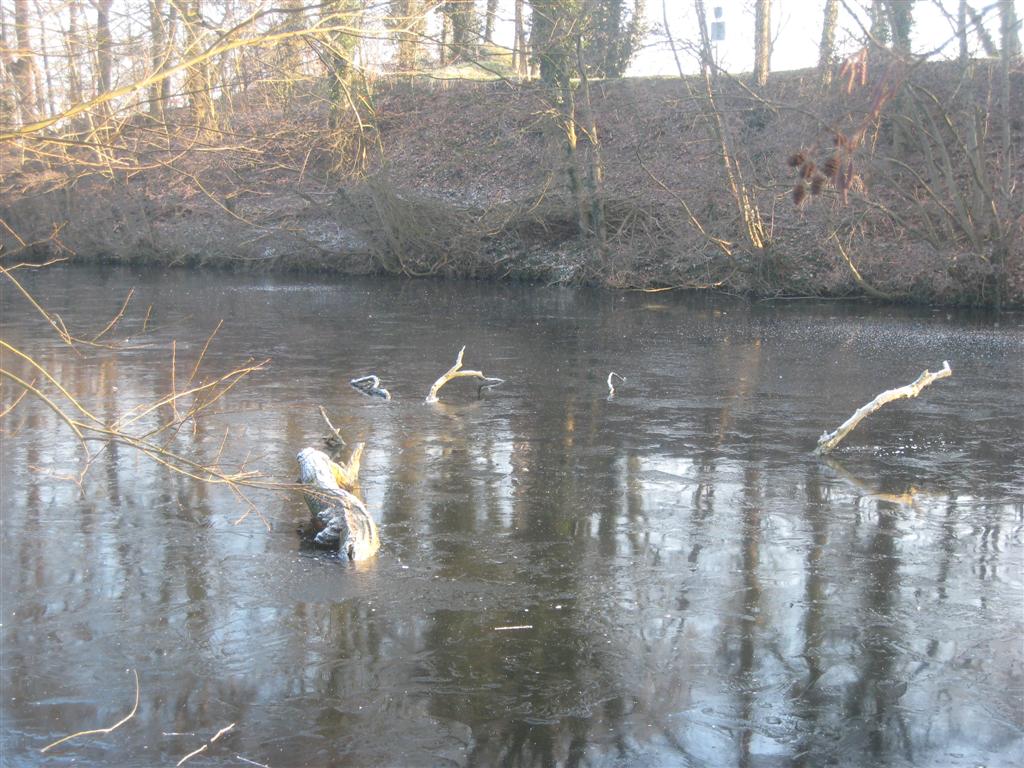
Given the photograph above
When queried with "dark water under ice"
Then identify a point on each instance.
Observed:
(695, 588)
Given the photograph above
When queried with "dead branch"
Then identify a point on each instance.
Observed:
(456, 372)
(611, 386)
(102, 731)
(334, 441)
(370, 386)
(828, 441)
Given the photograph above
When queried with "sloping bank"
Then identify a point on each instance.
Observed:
(471, 180)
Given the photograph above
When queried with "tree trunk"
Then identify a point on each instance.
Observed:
(157, 55)
(492, 13)
(1010, 45)
(519, 62)
(1009, 30)
(104, 46)
(762, 41)
(8, 97)
(411, 22)
(827, 48)
(961, 30)
(197, 77)
(73, 44)
(23, 67)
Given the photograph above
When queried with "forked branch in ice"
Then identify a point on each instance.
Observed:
(456, 372)
(829, 440)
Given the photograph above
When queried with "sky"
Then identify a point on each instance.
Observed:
(796, 31)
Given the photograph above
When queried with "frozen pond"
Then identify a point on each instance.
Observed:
(692, 586)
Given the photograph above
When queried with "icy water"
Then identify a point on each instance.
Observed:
(666, 578)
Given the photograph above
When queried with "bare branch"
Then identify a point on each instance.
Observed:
(828, 441)
(456, 372)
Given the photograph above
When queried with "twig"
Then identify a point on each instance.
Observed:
(611, 387)
(192, 754)
(334, 430)
(116, 319)
(828, 441)
(516, 626)
(456, 372)
(103, 731)
(17, 400)
(174, 379)
(251, 762)
(221, 732)
(195, 368)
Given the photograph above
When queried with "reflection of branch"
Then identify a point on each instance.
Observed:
(103, 731)
(907, 498)
(456, 372)
(828, 441)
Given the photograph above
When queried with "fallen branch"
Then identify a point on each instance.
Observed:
(828, 441)
(611, 386)
(102, 731)
(456, 372)
(370, 386)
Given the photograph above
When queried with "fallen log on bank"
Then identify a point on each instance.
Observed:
(456, 372)
(829, 440)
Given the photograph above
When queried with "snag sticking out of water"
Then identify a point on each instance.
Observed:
(339, 515)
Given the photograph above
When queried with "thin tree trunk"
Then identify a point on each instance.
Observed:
(491, 15)
(745, 205)
(1010, 45)
(197, 78)
(595, 162)
(104, 46)
(519, 46)
(157, 55)
(762, 41)
(827, 49)
(1009, 31)
(23, 67)
(961, 30)
(73, 45)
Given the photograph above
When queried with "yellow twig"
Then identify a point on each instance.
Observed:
(102, 731)
(202, 354)
(192, 754)
(114, 321)
(49, 378)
